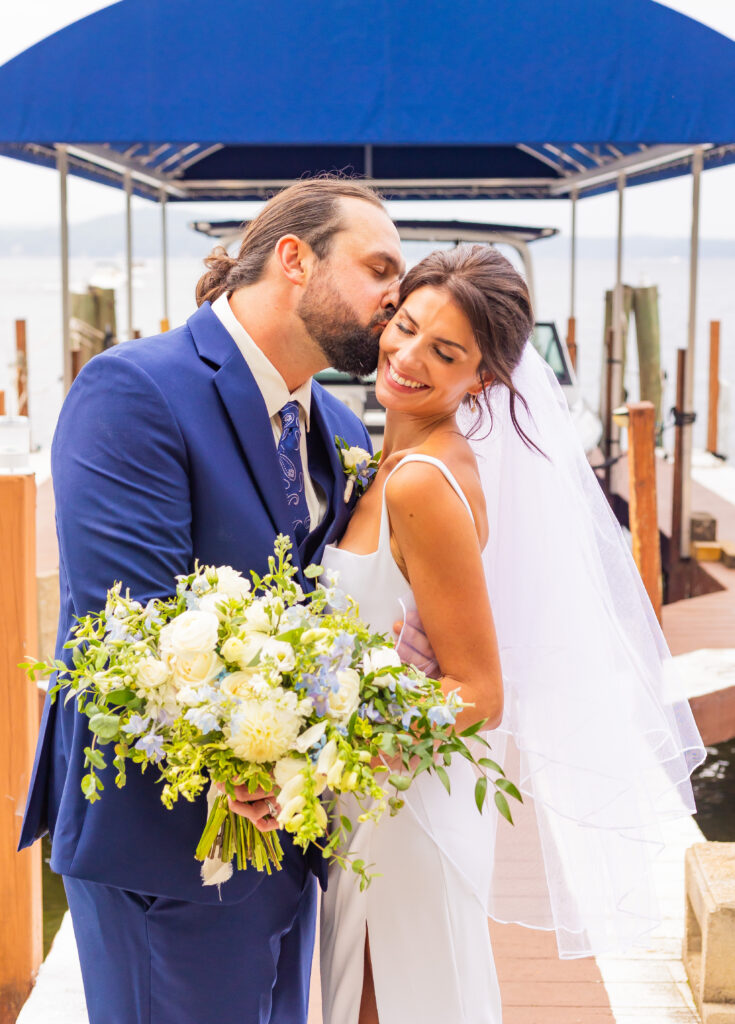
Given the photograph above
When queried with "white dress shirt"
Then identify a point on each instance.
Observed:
(275, 395)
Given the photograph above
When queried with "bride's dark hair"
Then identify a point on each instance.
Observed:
(494, 298)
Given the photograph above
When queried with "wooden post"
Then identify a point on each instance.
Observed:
(76, 363)
(164, 325)
(643, 507)
(22, 366)
(136, 334)
(572, 341)
(2, 403)
(21, 944)
(675, 574)
(714, 385)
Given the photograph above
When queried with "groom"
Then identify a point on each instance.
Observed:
(204, 443)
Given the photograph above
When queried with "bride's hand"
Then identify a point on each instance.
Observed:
(259, 807)
(413, 646)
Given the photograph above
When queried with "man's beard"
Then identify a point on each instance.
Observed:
(350, 346)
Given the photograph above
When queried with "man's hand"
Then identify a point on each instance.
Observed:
(413, 646)
(259, 807)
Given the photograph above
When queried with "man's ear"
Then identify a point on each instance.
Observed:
(295, 258)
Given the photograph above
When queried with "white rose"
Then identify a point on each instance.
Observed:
(214, 603)
(256, 617)
(353, 456)
(245, 684)
(152, 673)
(196, 669)
(344, 702)
(379, 658)
(311, 736)
(231, 583)
(192, 632)
(262, 731)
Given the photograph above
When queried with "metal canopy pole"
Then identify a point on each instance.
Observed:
(129, 248)
(62, 163)
(164, 255)
(616, 370)
(686, 502)
(573, 282)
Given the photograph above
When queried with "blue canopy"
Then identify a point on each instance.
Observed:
(455, 97)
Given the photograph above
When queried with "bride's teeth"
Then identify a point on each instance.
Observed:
(400, 380)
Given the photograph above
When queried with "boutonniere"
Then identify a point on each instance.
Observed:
(359, 465)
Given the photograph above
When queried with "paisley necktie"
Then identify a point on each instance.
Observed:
(292, 470)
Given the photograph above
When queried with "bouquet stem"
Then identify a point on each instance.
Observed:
(228, 835)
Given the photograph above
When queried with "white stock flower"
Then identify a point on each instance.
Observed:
(285, 769)
(379, 658)
(310, 736)
(152, 673)
(231, 583)
(193, 632)
(344, 702)
(262, 731)
(280, 652)
(327, 757)
(353, 456)
(196, 669)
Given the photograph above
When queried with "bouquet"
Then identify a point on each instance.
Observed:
(257, 683)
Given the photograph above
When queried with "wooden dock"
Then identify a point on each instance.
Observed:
(537, 987)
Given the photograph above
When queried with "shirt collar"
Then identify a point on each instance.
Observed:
(269, 380)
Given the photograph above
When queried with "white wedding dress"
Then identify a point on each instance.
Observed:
(428, 928)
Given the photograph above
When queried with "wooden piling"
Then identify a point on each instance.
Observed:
(164, 325)
(607, 408)
(22, 366)
(714, 385)
(136, 334)
(648, 337)
(21, 943)
(643, 508)
(76, 363)
(572, 341)
(2, 403)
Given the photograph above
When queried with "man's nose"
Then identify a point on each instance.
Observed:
(390, 298)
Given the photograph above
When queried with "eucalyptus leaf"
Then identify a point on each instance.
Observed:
(105, 726)
(400, 782)
(480, 792)
(502, 805)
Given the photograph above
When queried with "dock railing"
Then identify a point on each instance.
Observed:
(21, 944)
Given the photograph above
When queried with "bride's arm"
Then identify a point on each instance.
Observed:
(438, 543)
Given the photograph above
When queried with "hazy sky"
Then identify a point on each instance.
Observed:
(29, 194)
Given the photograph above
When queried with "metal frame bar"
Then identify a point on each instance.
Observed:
(688, 428)
(62, 163)
(129, 249)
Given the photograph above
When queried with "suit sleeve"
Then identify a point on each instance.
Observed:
(121, 486)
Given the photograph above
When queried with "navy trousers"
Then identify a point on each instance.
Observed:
(154, 960)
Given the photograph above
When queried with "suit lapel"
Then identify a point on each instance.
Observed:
(246, 410)
(326, 468)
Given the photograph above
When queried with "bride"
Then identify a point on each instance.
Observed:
(485, 518)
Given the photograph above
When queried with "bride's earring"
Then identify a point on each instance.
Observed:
(473, 403)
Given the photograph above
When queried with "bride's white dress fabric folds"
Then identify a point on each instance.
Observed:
(595, 732)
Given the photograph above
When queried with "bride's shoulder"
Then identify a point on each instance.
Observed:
(417, 482)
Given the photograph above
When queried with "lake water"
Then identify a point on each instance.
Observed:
(30, 290)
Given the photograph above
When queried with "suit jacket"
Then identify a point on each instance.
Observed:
(163, 454)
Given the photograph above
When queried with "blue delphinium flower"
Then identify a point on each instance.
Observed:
(408, 716)
(136, 725)
(151, 745)
(441, 716)
(202, 719)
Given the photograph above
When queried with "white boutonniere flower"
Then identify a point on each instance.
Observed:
(359, 465)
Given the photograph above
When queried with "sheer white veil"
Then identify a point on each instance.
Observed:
(595, 731)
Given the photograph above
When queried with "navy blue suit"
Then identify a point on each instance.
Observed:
(164, 454)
